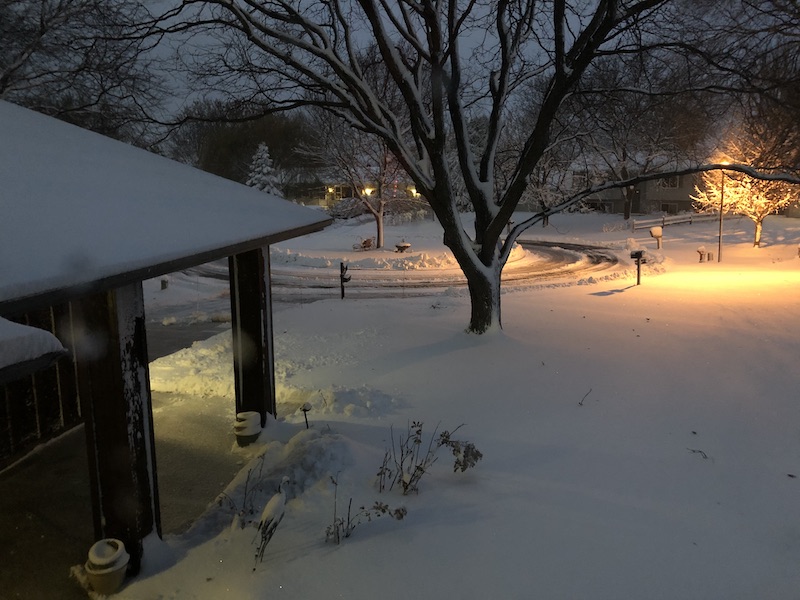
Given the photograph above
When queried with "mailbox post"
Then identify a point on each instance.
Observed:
(657, 233)
(343, 276)
(639, 256)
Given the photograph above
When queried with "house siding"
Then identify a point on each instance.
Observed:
(793, 210)
(669, 196)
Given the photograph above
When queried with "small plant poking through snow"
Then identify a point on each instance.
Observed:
(241, 512)
(406, 462)
(342, 527)
(466, 454)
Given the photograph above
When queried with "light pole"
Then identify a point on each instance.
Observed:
(721, 207)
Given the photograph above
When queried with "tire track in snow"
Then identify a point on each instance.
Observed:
(556, 260)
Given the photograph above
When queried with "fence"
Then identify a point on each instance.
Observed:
(39, 407)
(665, 220)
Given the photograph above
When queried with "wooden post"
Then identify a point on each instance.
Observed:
(114, 387)
(45, 384)
(343, 277)
(251, 326)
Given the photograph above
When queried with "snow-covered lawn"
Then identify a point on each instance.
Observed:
(639, 442)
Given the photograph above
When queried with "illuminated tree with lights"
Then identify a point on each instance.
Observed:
(738, 193)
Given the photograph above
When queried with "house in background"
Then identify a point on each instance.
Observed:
(793, 210)
(669, 195)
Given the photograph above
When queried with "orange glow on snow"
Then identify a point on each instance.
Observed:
(729, 285)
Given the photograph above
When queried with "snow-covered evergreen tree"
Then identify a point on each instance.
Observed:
(263, 176)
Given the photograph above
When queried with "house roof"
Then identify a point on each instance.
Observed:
(84, 213)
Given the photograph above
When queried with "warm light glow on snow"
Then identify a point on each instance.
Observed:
(732, 285)
(659, 420)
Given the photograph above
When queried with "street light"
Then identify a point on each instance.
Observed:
(721, 207)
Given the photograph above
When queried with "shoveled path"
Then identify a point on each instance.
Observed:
(45, 506)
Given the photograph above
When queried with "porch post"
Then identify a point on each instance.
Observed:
(114, 387)
(251, 327)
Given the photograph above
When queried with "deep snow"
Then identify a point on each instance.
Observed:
(638, 441)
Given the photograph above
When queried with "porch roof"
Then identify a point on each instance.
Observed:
(82, 213)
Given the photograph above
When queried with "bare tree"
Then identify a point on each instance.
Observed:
(451, 61)
(636, 118)
(79, 60)
(363, 162)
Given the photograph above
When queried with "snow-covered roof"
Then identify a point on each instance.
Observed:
(82, 212)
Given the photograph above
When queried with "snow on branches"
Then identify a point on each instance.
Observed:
(262, 175)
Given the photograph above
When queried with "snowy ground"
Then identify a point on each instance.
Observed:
(308, 269)
(638, 441)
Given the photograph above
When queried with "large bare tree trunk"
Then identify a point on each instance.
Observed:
(757, 239)
(484, 294)
(483, 282)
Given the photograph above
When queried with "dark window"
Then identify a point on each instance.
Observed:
(671, 182)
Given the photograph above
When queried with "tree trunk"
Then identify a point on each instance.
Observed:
(484, 294)
(482, 273)
(377, 213)
(627, 196)
(379, 225)
(757, 238)
(627, 202)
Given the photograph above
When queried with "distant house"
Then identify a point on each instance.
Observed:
(306, 193)
(670, 195)
(335, 192)
(793, 210)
